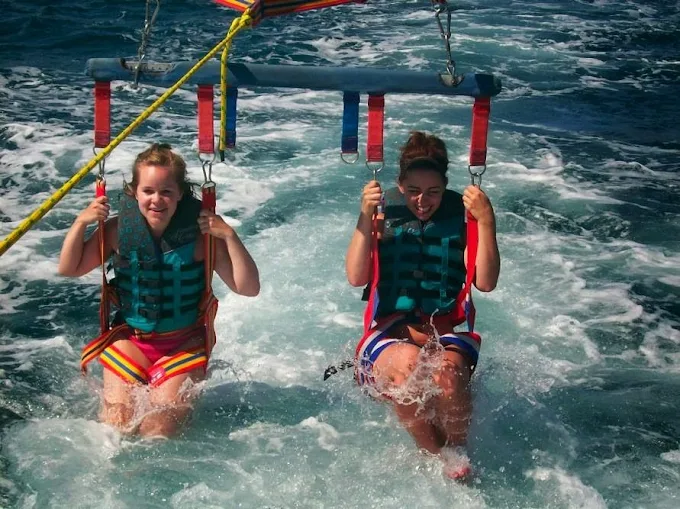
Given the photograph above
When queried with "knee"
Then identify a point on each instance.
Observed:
(410, 414)
(164, 422)
(452, 380)
(117, 415)
(393, 377)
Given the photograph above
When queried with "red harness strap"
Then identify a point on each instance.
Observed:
(208, 305)
(104, 304)
(206, 145)
(373, 299)
(480, 128)
(376, 120)
(102, 113)
(206, 129)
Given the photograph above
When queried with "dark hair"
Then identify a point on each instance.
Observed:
(423, 151)
(160, 154)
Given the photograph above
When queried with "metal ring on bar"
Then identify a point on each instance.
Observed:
(375, 167)
(476, 175)
(349, 161)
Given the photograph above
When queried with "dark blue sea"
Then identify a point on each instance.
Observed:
(577, 393)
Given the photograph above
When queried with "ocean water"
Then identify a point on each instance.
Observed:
(576, 394)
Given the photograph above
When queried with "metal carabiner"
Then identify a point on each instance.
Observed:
(375, 167)
(207, 175)
(476, 175)
(101, 163)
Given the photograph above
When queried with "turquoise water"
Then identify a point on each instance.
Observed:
(576, 395)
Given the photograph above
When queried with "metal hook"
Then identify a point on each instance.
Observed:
(375, 167)
(476, 175)
(207, 175)
(101, 163)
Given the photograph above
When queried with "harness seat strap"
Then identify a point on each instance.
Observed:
(183, 362)
(95, 347)
(123, 366)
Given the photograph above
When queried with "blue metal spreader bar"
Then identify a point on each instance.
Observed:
(356, 79)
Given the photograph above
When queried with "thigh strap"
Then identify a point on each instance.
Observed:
(182, 362)
(95, 347)
(123, 366)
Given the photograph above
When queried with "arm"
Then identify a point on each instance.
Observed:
(78, 256)
(233, 262)
(358, 260)
(488, 264)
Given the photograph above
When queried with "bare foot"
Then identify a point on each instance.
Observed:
(457, 464)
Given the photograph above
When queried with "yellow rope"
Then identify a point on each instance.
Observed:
(238, 24)
(223, 100)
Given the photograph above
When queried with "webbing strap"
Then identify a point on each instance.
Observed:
(206, 130)
(472, 241)
(95, 347)
(376, 119)
(102, 113)
(349, 143)
(373, 298)
(480, 128)
(104, 304)
(230, 120)
(208, 305)
(209, 201)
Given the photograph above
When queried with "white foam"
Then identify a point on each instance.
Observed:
(671, 456)
(572, 491)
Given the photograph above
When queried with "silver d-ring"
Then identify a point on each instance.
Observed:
(350, 160)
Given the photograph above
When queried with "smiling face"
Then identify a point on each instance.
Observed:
(423, 191)
(158, 194)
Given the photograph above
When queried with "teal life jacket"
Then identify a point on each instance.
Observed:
(421, 263)
(159, 284)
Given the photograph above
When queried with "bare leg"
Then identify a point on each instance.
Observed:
(171, 406)
(118, 406)
(453, 409)
(453, 405)
(394, 365)
(172, 402)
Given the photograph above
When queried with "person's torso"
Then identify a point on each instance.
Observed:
(159, 282)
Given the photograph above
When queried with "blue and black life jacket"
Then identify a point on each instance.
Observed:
(159, 284)
(421, 263)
